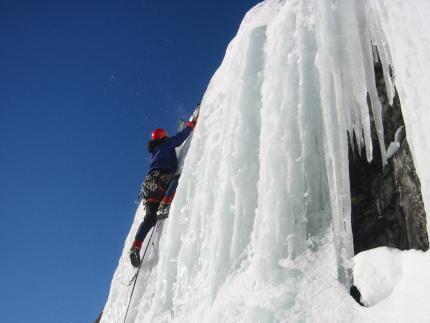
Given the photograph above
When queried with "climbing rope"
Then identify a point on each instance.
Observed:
(137, 273)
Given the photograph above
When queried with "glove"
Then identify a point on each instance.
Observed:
(194, 117)
(191, 124)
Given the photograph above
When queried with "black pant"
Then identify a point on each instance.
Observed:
(148, 222)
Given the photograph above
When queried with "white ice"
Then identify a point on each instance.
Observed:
(396, 143)
(260, 228)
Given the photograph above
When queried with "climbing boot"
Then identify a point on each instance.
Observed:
(135, 253)
(163, 211)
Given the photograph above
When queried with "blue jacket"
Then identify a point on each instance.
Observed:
(163, 157)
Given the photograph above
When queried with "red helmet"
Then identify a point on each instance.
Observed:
(159, 134)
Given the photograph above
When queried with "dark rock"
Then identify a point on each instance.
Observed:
(98, 319)
(410, 200)
(387, 207)
(355, 293)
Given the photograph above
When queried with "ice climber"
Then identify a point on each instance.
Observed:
(159, 186)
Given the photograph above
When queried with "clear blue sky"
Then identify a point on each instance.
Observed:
(82, 84)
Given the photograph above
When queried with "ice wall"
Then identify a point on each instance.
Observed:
(260, 230)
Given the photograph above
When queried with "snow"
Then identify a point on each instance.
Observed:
(394, 283)
(395, 145)
(260, 228)
(376, 273)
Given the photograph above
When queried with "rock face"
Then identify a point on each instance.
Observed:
(387, 207)
(410, 201)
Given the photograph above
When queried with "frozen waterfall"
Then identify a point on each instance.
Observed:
(260, 227)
